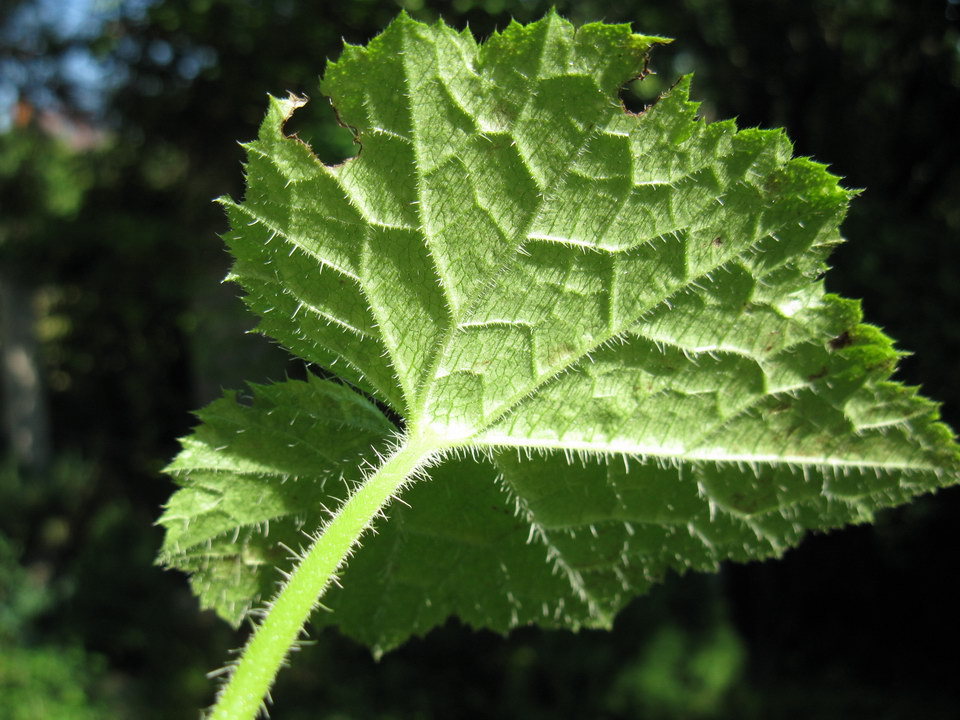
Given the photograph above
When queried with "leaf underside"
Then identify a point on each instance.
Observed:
(614, 323)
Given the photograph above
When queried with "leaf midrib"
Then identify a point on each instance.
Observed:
(440, 350)
(427, 386)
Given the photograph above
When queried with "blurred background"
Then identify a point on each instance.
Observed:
(118, 126)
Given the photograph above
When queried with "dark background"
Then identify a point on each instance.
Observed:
(118, 125)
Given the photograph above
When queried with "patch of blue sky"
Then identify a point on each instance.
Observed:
(28, 72)
(72, 19)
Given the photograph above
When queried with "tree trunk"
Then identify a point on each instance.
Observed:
(25, 423)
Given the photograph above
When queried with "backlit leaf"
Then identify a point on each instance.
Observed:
(613, 325)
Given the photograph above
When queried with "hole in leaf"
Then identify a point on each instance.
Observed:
(637, 95)
(316, 124)
(642, 92)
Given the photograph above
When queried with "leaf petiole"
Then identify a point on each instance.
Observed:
(243, 695)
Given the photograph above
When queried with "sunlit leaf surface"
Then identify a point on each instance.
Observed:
(616, 321)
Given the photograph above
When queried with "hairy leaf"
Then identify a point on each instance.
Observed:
(613, 326)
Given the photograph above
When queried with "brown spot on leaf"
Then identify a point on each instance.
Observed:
(718, 241)
(841, 341)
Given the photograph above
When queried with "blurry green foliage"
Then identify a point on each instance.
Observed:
(681, 673)
(21, 596)
(50, 681)
(42, 180)
(46, 172)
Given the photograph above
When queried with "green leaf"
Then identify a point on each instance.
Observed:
(257, 476)
(611, 327)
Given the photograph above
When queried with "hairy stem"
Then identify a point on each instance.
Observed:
(243, 696)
